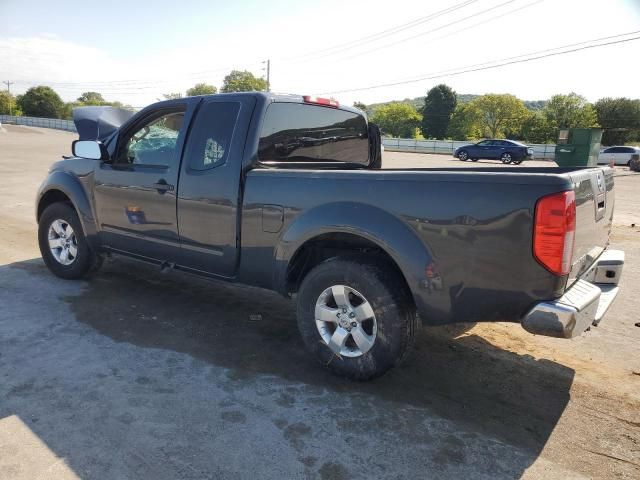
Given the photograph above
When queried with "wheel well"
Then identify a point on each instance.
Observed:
(51, 197)
(330, 245)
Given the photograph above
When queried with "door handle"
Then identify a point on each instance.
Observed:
(162, 186)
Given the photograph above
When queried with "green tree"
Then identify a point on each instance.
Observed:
(569, 111)
(464, 123)
(243, 81)
(7, 103)
(499, 114)
(536, 129)
(620, 117)
(201, 89)
(397, 119)
(439, 105)
(67, 110)
(91, 98)
(360, 106)
(41, 101)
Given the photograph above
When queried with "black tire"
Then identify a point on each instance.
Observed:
(516, 162)
(392, 306)
(506, 158)
(463, 156)
(474, 159)
(86, 261)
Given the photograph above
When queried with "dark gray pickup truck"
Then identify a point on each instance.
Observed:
(283, 192)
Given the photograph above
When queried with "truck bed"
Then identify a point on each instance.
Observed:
(475, 227)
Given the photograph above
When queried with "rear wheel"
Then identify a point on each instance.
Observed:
(63, 245)
(506, 158)
(355, 316)
(463, 155)
(516, 162)
(474, 159)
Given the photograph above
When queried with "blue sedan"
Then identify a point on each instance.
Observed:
(506, 151)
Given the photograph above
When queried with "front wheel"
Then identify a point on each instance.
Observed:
(356, 317)
(506, 158)
(63, 245)
(516, 162)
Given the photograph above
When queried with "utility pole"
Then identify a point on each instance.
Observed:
(8, 84)
(268, 69)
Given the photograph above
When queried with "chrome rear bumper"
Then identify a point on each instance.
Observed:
(583, 305)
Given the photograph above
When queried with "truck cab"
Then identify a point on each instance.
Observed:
(142, 209)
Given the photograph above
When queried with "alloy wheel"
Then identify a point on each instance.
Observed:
(346, 321)
(63, 243)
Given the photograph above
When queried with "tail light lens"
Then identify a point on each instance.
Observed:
(554, 231)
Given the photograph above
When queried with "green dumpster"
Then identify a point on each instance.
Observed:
(578, 147)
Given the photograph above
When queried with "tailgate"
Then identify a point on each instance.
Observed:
(594, 213)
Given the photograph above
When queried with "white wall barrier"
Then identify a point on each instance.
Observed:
(540, 151)
(56, 123)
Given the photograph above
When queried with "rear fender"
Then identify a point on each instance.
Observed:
(383, 229)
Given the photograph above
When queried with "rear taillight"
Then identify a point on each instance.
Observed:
(554, 231)
(327, 102)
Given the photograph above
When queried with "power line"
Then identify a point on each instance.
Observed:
(490, 19)
(447, 26)
(523, 55)
(382, 34)
(480, 67)
(413, 37)
(149, 84)
(120, 86)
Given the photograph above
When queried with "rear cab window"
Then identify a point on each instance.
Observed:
(303, 133)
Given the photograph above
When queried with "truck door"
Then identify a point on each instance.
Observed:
(209, 187)
(135, 193)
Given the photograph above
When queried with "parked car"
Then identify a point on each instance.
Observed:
(617, 155)
(279, 192)
(507, 151)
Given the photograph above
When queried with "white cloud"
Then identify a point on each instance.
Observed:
(70, 69)
(140, 74)
(46, 60)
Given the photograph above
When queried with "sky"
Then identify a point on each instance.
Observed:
(135, 52)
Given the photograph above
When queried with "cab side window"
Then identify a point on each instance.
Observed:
(153, 143)
(210, 137)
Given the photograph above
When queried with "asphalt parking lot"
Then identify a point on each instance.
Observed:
(139, 374)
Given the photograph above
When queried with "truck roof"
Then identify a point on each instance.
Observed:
(272, 97)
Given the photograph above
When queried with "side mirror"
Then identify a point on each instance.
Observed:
(93, 150)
